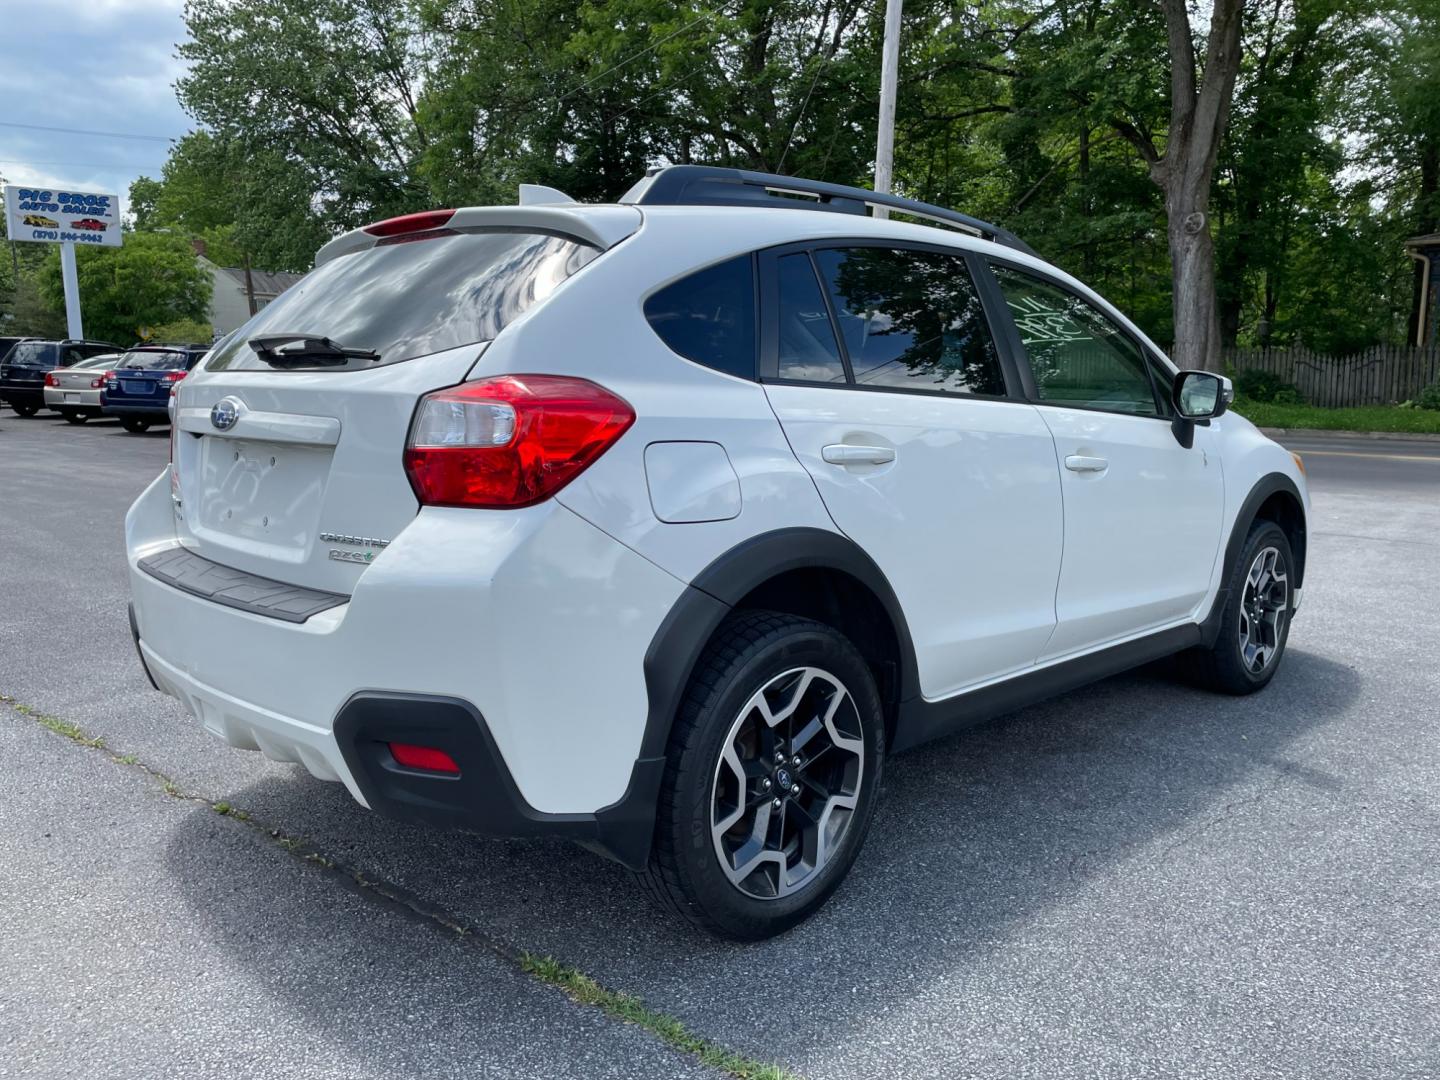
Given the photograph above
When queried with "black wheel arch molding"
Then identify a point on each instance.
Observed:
(1273, 491)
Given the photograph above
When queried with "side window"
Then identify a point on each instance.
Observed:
(709, 317)
(1078, 356)
(911, 319)
(807, 348)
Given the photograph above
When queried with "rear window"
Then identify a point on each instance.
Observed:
(153, 360)
(403, 299)
(96, 362)
(33, 354)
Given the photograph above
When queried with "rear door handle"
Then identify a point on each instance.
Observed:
(1081, 463)
(845, 454)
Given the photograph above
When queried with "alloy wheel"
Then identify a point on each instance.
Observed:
(1263, 607)
(787, 783)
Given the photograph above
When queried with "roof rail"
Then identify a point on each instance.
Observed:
(706, 185)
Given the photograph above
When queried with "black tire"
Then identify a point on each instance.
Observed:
(24, 408)
(136, 425)
(751, 651)
(74, 416)
(1228, 666)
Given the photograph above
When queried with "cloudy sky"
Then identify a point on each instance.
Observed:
(97, 66)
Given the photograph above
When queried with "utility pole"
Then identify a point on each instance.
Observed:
(249, 287)
(885, 137)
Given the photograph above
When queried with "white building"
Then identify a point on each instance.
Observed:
(230, 300)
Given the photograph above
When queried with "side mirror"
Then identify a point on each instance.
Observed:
(1199, 395)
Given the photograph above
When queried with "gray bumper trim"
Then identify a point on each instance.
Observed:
(194, 574)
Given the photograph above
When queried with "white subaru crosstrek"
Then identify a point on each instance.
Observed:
(659, 525)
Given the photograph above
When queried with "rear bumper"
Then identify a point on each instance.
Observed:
(515, 639)
(25, 395)
(483, 797)
(154, 412)
(87, 400)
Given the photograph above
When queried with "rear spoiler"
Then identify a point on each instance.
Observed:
(598, 226)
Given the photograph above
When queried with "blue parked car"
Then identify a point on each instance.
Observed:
(137, 390)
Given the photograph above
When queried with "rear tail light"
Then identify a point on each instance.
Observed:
(509, 441)
(96, 384)
(174, 376)
(106, 378)
(50, 379)
(410, 223)
(423, 757)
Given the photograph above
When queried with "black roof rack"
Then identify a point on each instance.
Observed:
(706, 185)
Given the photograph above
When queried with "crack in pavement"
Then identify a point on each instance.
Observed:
(579, 988)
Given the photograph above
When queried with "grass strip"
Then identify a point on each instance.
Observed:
(583, 990)
(1358, 418)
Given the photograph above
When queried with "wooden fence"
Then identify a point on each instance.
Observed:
(1381, 375)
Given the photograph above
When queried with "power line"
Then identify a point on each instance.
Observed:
(79, 131)
(709, 14)
(122, 166)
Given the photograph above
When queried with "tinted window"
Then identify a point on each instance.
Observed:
(154, 360)
(1078, 356)
(709, 317)
(405, 299)
(911, 319)
(807, 348)
(33, 354)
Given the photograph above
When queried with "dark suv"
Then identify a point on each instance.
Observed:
(137, 390)
(23, 369)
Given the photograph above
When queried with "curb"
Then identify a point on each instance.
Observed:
(1366, 436)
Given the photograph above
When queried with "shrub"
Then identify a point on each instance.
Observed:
(1429, 398)
(1260, 385)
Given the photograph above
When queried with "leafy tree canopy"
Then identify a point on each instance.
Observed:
(150, 280)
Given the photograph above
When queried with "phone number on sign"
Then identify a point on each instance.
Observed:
(65, 234)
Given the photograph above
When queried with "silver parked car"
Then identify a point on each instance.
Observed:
(74, 391)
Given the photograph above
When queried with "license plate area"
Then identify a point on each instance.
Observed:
(71, 397)
(135, 386)
(260, 498)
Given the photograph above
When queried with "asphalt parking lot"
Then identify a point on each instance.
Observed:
(1136, 880)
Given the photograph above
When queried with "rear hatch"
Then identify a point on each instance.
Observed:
(78, 378)
(291, 434)
(25, 366)
(145, 376)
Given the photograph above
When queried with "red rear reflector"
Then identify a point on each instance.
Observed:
(50, 379)
(509, 441)
(423, 757)
(410, 223)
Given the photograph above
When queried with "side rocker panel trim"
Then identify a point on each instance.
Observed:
(920, 720)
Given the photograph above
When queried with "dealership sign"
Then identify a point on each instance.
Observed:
(52, 216)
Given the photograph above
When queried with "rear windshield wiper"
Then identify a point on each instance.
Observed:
(306, 350)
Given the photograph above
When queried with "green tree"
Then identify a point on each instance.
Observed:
(584, 98)
(149, 280)
(317, 93)
(245, 207)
